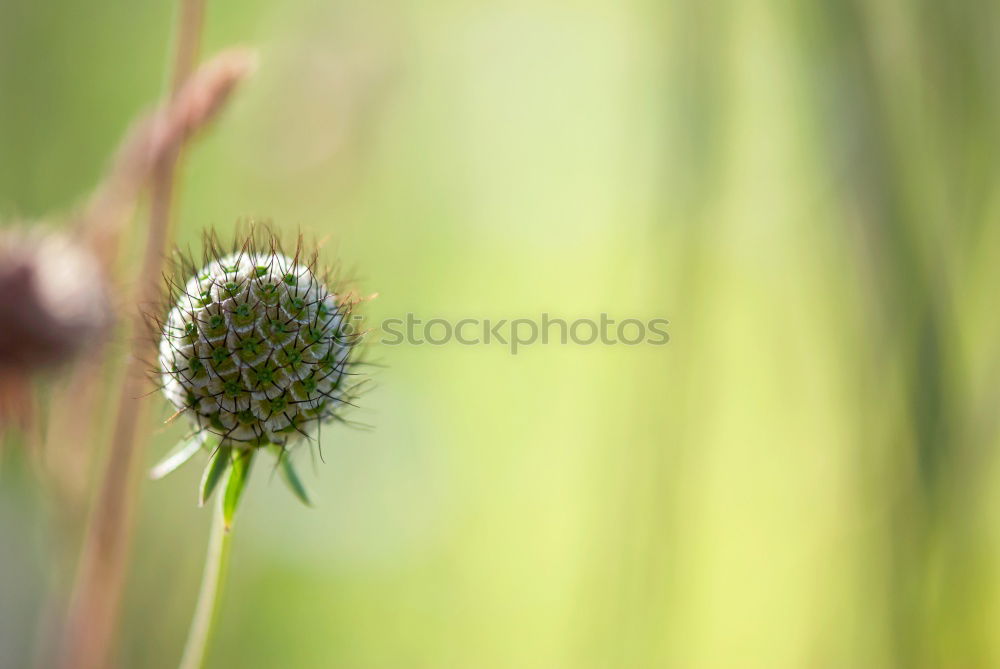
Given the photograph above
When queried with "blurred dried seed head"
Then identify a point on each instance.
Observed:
(53, 300)
(154, 140)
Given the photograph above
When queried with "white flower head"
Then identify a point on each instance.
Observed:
(258, 347)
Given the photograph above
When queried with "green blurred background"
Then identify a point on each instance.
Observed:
(806, 476)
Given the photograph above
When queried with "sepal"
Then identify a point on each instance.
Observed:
(217, 466)
(289, 475)
(239, 473)
(180, 454)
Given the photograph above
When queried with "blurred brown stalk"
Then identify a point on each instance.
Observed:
(149, 155)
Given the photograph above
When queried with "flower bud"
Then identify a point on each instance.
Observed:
(256, 349)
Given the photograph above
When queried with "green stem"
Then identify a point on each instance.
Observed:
(216, 563)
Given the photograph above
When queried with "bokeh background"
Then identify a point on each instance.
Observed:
(805, 476)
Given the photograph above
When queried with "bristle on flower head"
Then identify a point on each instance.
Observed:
(258, 345)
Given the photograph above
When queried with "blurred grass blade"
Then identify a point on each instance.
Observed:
(234, 486)
(290, 476)
(180, 454)
(216, 467)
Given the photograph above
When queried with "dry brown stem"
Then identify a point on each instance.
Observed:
(150, 153)
(155, 140)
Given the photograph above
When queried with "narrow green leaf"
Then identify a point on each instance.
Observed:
(234, 485)
(180, 454)
(216, 467)
(290, 476)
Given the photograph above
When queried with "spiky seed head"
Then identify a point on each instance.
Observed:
(55, 299)
(256, 348)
